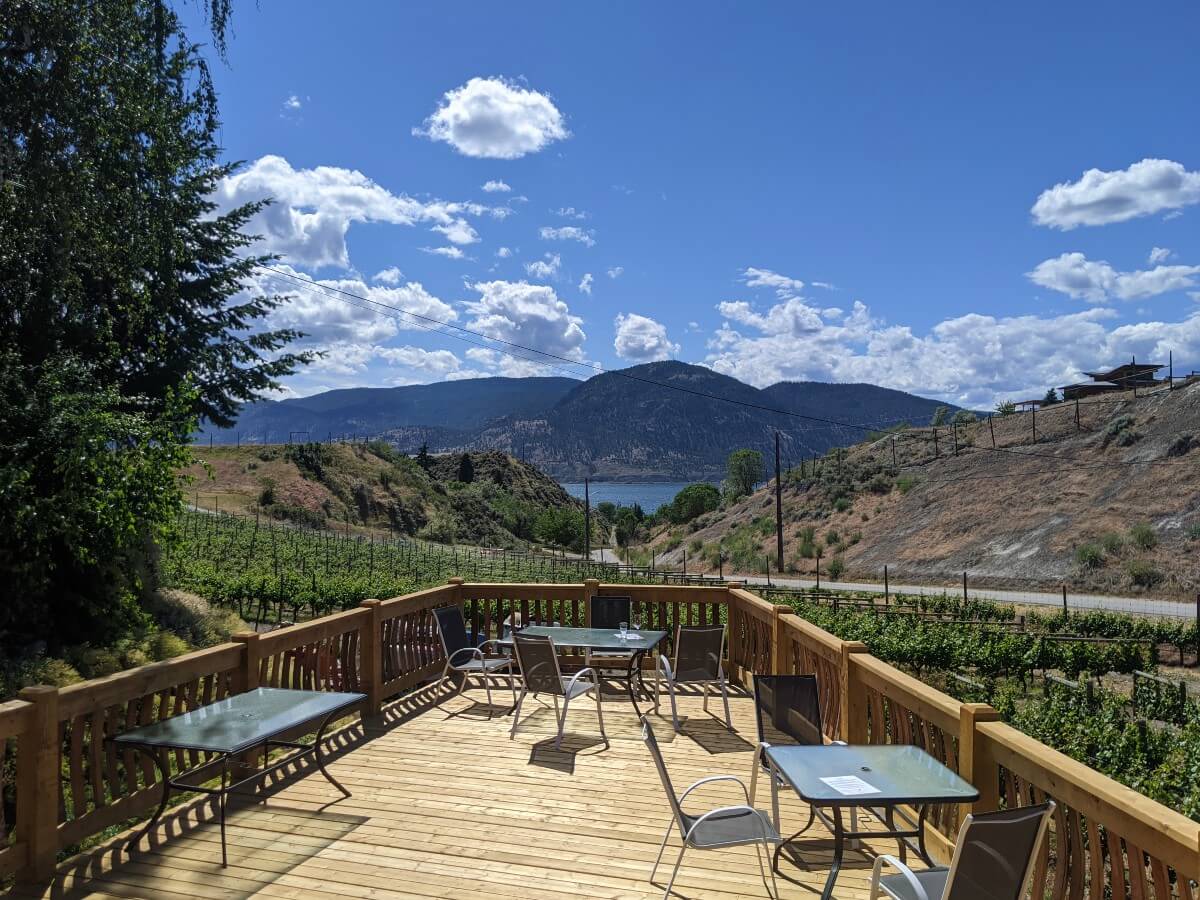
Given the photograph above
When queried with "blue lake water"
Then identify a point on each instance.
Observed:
(651, 495)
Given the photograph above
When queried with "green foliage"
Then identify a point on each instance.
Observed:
(1089, 556)
(694, 500)
(1050, 398)
(1193, 532)
(964, 417)
(836, 567)
(1121, 431)
(905, 483)
(940, 415)
(1143, 574)
(562, 527)
(1005, 408)
(466, 469)
(1143, 537)
(1112, 542)
(832, 537)
(743, 470)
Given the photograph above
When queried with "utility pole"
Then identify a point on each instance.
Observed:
(587, 522)
(778, 512)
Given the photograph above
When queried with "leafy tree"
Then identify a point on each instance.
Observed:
(122, 310)
(1051, 397)
(466, 469)
(743, 470)
(627, 525)
(562, 526)
(692, 501)
(1006, 408)
(607, 510)
(939, 416)
(964, 417)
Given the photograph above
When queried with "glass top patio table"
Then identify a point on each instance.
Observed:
(592, 638)
(240, 721)
(871, 775)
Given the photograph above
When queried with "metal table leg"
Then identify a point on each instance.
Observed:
(635, 671)
(164, 771)
(839, 842)
(320, 758)
(221, 795)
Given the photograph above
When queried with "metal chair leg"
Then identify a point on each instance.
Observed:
(517, 713)
(674, 872)
(725, 700)
(562, 720)
(487, 684)
(674, 711)
(704, 694)
(661, 848)
(600, 713)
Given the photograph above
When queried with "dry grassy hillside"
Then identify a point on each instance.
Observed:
(1110, 504)
(371, 486)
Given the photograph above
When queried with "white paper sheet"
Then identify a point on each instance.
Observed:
(850, 785)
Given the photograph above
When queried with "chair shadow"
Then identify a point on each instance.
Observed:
(544, 754)
(712, 736)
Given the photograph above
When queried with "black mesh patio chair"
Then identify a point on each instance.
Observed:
(993, 857)
(610, 612)
(787, 710)
(726, 826)
(698, 652)
(465, 658)
(540, 675)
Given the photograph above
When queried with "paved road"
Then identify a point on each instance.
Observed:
(1136, 605)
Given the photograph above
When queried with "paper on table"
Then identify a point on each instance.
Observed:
(631, 636)
(850, 785)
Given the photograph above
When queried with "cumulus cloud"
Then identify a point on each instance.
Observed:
(585, 284)
(544, 268)
(641, 339)
(292, 104)
(448, 252)
(458, 232)
(314, 208)
(569, 233)
(1100, 198)
(493, 118)
(504, 253)
(493, 187)
(616, 272)
(1077, 276)
(793, 316)
(531, 315)
(783, 285)
(390, 275)
(1158, 255)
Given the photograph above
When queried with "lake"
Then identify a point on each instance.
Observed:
(651, 495)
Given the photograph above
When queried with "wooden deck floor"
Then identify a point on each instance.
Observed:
(450, 807)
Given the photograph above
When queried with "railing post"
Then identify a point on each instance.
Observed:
(370, 649)
(38, 753)
(779, 663)
(246, 677)
(853, 723)
(974, 764)
(591, 587)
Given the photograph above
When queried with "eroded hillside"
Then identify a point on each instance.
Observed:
(372, 486)
(1111, 503)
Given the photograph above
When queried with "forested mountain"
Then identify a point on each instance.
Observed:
(658, 421)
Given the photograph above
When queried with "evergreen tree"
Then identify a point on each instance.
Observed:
(1051, 397)
(423, 459)
(466, 469)
(123, 316)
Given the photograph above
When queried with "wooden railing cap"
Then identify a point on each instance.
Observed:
(371, 602)
(455, 580)
(595, 581)
(243, 637)
(35, 691)
(854, 647)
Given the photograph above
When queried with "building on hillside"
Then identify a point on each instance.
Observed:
(1131, 375)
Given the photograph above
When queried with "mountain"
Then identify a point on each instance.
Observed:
(665, 421)
(450, 406)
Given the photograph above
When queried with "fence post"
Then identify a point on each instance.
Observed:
(246, 677)
(591, 587)
(370, 649)
(974, 764)
(779, 664)
(38, 753)
(853, 723)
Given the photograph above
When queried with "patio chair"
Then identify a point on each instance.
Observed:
(540, 674)
(609, 612)
(787, 710)
(465, 658)
(726, 826)
(698, 652)
(992, 860)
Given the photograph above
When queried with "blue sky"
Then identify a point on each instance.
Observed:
(885, 193)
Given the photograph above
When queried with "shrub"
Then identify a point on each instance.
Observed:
(1112, 542)
(841, 504)
(1121, 431)
(807, 549)
(905, 483)
(1143, 536)
(1181, 445)
(1089, 556)
(165, 645)
(692, 502)
(832, 537)
(1142, 574)
(1193, 531)
(880, 484)
(836, 567)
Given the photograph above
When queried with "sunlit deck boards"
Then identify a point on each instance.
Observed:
(450, 807)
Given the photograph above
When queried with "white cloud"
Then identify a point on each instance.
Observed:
(1100, 198)
(418, 364)
(585, 284)
(568, 233)
(292, 104)
(1158, 255)
(494, 118)
(458, 232)
(493, 187)
(824, 285)
(544, 268)
(531, 315)
(792, 317)
(570, 212)
(641, 339)
(314, 208)
(504, 253)
(448, 252)
(783, 285)
(390, 275)
(1077, 276)
(616, 272)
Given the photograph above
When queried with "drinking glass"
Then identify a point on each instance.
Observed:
(623, 627)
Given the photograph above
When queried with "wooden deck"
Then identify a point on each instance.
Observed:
(450, 807)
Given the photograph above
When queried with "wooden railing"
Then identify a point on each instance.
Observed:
(71, 784)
